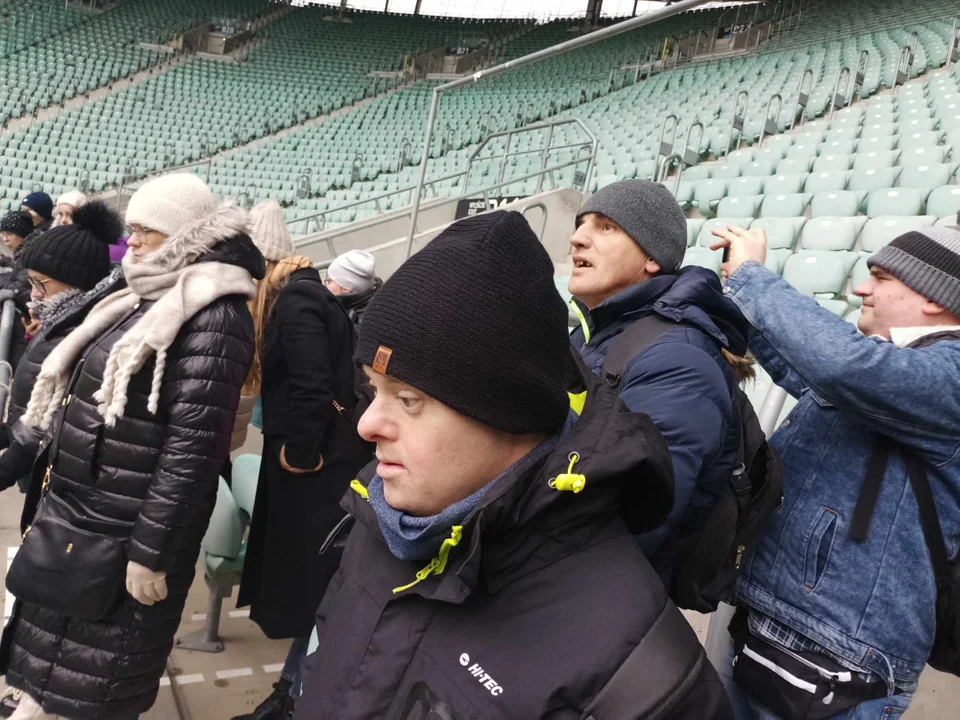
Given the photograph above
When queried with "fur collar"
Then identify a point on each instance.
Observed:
(903, 337)
(199, 238)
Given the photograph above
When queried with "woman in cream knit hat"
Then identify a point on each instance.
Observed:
(304, 373)
(139, 402)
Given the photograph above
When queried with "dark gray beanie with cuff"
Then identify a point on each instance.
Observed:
(649, 214)
(928, 262)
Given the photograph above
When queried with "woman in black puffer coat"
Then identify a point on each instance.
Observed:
(69, 269)
(140, 401)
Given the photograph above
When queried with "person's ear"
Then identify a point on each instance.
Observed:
(652, 267)
(932, 309)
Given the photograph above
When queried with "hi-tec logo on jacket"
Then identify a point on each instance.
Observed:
(481, 675)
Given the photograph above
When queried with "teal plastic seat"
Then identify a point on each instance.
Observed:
(693, 230)
(944, 201)
(819, 272)
(925, 177)
(830, 233)
(739, 206)
(881, 231)
(703, 257)
(873, 179)
(788, 205)
(895, 201)
(782, 233)
(818, 182)
(841, 203)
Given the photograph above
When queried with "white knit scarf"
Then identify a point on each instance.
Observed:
(179, 294)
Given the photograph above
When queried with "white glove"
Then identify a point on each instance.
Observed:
(146, 586)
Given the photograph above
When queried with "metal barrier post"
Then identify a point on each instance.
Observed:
(904, 67)
(860, 78)
(771, 122)
(665, 147)
(840, 95)
(581, 41)
(546, 159)
(803, 97)
(953, 52)
(7, 318)
(737, 121)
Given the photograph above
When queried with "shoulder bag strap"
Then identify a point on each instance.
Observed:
(869, 491)
(929, 522)
(628, 344)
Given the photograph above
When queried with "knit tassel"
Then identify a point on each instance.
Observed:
(153, 403)
(46, 396)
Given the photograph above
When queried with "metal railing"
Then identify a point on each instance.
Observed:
(7, 318)
(316, 222)
(582, 41)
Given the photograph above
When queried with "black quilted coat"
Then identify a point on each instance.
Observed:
(17, 461)
(157, 470)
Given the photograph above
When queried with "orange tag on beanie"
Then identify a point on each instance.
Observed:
(382, 360)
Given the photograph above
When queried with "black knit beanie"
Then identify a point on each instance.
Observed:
(474, 321)
(78, 254)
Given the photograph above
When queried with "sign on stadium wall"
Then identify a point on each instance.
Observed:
(472, 206)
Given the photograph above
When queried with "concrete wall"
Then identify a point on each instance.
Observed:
(561, 209)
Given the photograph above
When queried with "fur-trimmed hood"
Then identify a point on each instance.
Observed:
(221, 237)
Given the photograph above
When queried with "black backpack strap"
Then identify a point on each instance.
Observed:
(929, 521)
(628, 344)
(869, 491)
(656, 675)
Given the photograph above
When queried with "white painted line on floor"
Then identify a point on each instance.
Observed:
(164, 681)
(237, 672)
(273, 668)
(8, 598)
(11, 551)
(189, 679)
(198, 617)
(239, 613)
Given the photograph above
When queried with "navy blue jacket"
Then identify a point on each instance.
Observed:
(683, 383)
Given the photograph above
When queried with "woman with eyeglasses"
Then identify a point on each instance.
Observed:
(68, 269)
(15, 228)
(137, 405)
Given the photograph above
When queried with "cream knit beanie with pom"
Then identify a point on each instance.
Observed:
(170, 203)
(269, 231)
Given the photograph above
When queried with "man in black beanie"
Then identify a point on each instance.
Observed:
(489, 571)
(16, 227)
(68, 269)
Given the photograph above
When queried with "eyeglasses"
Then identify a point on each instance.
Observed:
(140, 232)
(38, 285)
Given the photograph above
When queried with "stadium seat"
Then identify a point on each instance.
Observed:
(843, 203)
(880, 231)
(819, 272)
(830, 233)
(782, 233)
(792, 205)
(944, 201)
(899, 201)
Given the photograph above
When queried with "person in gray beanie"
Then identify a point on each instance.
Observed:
(627, 250)
(871, 477)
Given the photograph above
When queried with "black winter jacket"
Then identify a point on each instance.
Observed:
(546, 607)
(24, 442)
(158, 471)
(302, 375)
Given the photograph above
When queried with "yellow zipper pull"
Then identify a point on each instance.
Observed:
(46, 479)
(25, 533)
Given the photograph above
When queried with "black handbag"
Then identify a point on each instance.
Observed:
(72, 561)
(796, 685)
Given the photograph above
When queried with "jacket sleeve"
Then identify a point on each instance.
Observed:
(17, 461)
(854, 373)
(302, 331)
(679, 386)
(205, 370)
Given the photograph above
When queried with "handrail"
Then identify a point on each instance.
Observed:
(953, 52)
(863, 60)
(7, 317)
(543, 223)
(310, 239)
(665, 147)
(904, 67)
(581, 41)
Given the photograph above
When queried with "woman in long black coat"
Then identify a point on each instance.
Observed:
(139, 404)
(311, 449)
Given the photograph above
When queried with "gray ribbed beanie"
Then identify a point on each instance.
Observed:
(927, 261)
(649, 214)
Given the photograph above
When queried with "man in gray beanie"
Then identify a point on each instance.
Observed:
(672, 331)
(847, 573)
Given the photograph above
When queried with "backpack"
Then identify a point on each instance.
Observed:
(945, 655)
(709, 559)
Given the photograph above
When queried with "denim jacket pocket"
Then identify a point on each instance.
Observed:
(819, 545)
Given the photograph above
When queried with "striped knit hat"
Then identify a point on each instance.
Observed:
(928, 262)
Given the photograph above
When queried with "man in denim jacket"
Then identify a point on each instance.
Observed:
(869, 605)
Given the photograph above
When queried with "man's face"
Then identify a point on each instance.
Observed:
(37, 220)
(605, 260)
(888, 303)
(431, 456)
(335, 288)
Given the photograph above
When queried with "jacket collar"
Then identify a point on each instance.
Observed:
(923, 336)
(693, 296)
(524, 523)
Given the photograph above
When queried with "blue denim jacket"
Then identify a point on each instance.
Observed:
(870, 604)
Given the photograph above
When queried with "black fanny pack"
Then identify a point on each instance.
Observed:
(72, 561)
(796, 685)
